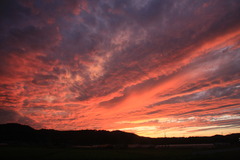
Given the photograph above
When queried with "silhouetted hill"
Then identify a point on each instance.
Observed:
(16, 134)
(22, 134)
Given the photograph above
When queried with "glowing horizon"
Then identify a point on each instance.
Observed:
(150, 67)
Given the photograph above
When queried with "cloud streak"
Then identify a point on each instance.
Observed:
(149, 68)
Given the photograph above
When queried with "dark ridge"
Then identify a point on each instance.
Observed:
(16, 134)
(16, 127)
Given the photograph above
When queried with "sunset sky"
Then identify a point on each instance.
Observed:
(150, 67)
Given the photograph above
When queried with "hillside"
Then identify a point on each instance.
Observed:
(16, 134)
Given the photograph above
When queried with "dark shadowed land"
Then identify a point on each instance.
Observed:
(20, 141)
(40, 153)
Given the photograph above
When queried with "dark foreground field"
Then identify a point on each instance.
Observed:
(106, 145)
(34, 153)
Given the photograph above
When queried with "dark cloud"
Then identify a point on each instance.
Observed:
(31, 39)
(154, 112)
(204, 110)
(215, 128)
(10, 116)
(44, 79)
(165, 46)
(210, 95)
(205, 91)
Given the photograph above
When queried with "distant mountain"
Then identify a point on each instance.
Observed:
(22, 134)
(16, 134)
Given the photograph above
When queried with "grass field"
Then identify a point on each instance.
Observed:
(35, 153)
